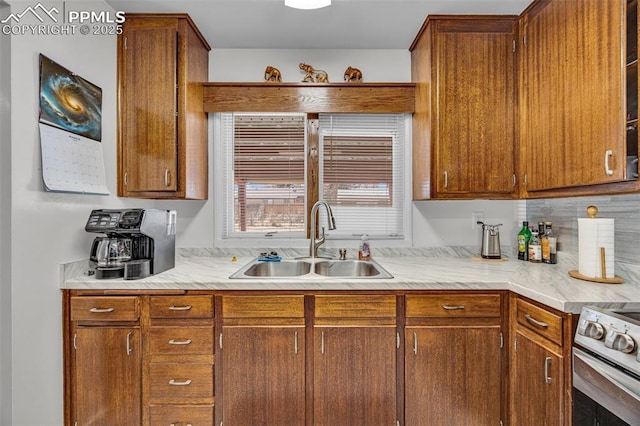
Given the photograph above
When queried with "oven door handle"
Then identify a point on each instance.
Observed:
(600, 382)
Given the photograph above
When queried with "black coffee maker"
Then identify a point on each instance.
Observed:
(136, 242)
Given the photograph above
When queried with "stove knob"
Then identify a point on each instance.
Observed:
(591, 329)
(620, 342)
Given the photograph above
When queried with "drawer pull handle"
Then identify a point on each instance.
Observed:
(176, 424)
(101, 311)
(453, 307)
(535, 321)
(174, 382)
(180, 308)
(180, 342)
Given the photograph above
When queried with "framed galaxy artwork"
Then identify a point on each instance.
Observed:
(68, 101)
(70, 125)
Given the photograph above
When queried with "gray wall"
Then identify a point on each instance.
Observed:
(564, 213)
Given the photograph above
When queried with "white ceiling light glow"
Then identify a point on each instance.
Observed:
(307, 4)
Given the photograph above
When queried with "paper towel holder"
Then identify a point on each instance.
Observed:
(592, 211)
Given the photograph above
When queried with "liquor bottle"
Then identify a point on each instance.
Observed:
(549, 244)
(535, 250)
(524, 236)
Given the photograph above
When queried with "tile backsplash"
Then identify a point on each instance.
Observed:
(564, 213)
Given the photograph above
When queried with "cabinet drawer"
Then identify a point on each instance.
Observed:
(181, 307)
(105, 308)
(263, 307)
(181, 383)
(181, 340)
(455, 305)
(372, 306)
(194, 415)
(543, 322)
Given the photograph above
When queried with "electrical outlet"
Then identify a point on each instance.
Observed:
(477, 217)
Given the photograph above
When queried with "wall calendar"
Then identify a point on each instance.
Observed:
(70, 131)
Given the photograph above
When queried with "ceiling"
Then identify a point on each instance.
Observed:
(346, 24)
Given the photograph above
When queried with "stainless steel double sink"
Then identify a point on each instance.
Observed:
(314, 268)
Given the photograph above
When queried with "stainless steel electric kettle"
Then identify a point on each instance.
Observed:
(490, 241)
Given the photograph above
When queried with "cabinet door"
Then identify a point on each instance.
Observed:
(475, 107)
(149, 105)
(452, 375)
(354, 376)
(263, 375)
(107, 370)
(537, 385)
(572, 98)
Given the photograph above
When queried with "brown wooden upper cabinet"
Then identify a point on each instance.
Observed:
(464, 139)
(162, 128)
(578, 97)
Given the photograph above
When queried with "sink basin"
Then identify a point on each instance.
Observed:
(312, 268)
(351, 268)
(284, 268)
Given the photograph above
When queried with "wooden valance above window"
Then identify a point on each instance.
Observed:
(310, 97)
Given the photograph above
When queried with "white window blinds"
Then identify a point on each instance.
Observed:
(262, 162)
(268, 174)
(362, 173)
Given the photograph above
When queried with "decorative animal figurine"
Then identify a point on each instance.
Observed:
(352, 75)
(313, 75)
(272, 74)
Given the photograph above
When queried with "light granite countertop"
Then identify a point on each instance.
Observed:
(412, 269)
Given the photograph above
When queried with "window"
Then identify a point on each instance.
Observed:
(362, 173)
(268, 173)
(262, 165)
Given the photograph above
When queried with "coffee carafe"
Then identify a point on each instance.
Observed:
(109, 252)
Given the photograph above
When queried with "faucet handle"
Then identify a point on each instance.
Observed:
(343, 254)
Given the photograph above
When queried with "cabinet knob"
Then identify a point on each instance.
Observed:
(620, 342)
(591, 329)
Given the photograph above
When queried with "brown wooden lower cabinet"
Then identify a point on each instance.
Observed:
(263, 350)
(453, 360)
(315, 358)
(540, 365)
(263, 375)
(538, 383)
(354, 376)
(107, 373)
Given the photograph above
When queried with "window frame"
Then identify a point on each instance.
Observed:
(291, 239)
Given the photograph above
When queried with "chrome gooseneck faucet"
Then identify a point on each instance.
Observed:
(315, 243)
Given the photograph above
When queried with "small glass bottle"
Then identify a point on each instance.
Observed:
(524, 237)
(549, 245)
(364, 251)
(535, 249)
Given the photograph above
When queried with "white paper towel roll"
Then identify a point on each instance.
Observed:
(593, 234)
